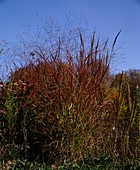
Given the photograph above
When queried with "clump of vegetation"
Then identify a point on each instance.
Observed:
(61, 110)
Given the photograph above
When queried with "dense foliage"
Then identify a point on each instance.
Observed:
(67, 111)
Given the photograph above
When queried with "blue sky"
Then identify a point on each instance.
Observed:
(107, 17)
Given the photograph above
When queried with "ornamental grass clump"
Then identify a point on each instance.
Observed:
(63, 103)
(64, 110)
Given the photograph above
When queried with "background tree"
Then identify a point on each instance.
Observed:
(133, 77)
